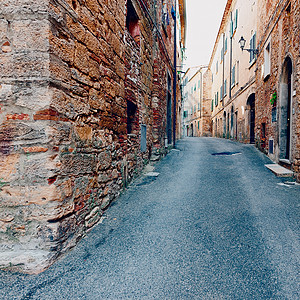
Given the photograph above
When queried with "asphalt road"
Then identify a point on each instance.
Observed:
(208, 227)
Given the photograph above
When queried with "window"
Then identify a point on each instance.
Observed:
(233, 23)
(237, 72)
(217, 69)
(235, 19)
(221, 92)
(194, 108)
(185, 114)
(198, 84)
(216, 98)
(252, 46)
(198, 105)
(222, 54)
(233, 77)
(164, 13)
(267, 58)
(195, 87)
(225, 50)
(132, 22)
(131, 116)
(198, 125)
(225, 87)
(231, 28)
(212, 105)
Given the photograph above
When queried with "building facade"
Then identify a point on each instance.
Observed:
(277, 114)
(85, 101)
(196, 114)
(255, 88)
(233, 73)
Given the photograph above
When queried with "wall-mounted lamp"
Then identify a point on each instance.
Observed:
(242, 43)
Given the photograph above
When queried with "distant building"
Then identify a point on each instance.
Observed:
(195, 106)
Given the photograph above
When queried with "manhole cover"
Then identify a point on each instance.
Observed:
(147, 180)
(226, 153)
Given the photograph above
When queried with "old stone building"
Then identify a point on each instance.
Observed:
(255, 85)
(277, 106)
(85, 100)
(196, 112)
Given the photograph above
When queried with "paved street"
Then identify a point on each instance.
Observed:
(208, 227)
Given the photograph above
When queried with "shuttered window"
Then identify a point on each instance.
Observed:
(233, 76)
(252, 46)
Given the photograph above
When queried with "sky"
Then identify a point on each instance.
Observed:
(203, 22)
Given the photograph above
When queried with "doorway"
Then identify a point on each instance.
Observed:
(285, 110)
(251, 104)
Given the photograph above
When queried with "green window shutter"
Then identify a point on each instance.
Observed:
(212, 105)
(252, 46)
(225, 44)
(236, 19)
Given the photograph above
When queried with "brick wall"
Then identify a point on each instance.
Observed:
(71, 73)
(278, 26)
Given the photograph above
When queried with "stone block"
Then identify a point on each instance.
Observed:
(93, 217)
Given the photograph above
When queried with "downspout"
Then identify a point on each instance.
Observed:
(223, 79)
(174, 13)
(230, 63)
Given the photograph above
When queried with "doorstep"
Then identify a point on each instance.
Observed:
(279, 171)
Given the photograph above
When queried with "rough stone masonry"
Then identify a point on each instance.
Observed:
(78, 94)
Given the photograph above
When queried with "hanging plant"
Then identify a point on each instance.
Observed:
(273, 100)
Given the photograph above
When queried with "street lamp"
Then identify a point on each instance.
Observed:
(242, 43)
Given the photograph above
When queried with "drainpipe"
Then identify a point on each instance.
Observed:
(223, 79)
(230, 81)
(174, 13)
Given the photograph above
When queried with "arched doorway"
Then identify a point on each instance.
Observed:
(285, 110)
(251, 104)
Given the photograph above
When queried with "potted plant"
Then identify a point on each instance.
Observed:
(273, 99)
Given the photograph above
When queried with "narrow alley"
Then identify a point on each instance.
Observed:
(214, 224)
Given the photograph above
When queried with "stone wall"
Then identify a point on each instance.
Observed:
(206, 105)
(79, 92)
